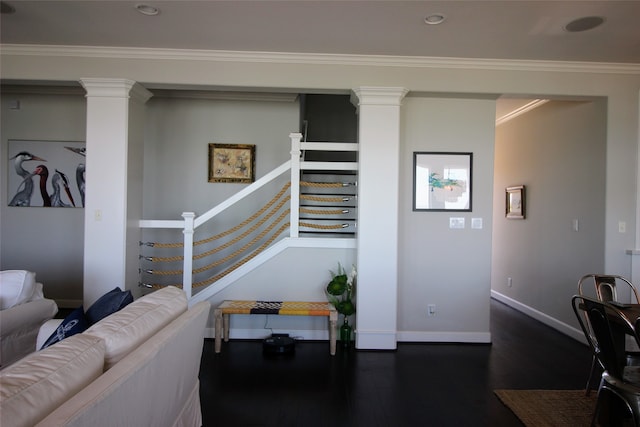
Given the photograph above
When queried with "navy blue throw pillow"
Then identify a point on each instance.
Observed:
(107, 304)
(74, 323)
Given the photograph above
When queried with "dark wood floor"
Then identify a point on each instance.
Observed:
(418, 384)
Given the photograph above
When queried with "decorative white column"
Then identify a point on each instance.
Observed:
(378, 193)
(113, 184)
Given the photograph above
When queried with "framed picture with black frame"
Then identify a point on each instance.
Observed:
(442, 181)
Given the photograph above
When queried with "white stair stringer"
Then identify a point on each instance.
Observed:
(266, 255)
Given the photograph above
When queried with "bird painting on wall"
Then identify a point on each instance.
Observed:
(43, 172)
(80, 171)
(23, 194)
(59, 179)
(47, 184)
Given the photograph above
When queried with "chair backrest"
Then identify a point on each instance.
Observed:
(609, 326)
(579, 308)
(605, 286)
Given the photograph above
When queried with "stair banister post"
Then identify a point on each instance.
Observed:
(187, 274)
(295, 184)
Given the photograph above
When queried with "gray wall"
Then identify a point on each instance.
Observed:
(438, 265)
(178, 133)
(48, 241)
(558, 151)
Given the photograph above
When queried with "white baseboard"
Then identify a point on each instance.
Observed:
(258, 334)
(559, 326)
(445, 337)
(376, 340)
(368, 341)
(387, 340)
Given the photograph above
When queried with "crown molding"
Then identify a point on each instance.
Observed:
(316, 59)
(31, 89)
(225, 95)
(519, 111)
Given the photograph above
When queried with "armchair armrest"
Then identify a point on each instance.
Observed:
(19, 326)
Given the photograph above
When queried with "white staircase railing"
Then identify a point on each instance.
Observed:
(295, 165)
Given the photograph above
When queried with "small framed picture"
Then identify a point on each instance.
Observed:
(232, 163)
(515, 202)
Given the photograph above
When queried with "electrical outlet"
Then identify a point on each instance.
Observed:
(431, 309)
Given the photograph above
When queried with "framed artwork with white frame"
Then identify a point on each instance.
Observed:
(46, 173)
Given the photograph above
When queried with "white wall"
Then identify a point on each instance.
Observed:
(438, 265)
(48, 241)
(558, 151)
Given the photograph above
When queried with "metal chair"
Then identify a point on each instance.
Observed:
(605, 330)
(605, 288)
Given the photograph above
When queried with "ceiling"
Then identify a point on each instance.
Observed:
(499, 30)
(503, 30)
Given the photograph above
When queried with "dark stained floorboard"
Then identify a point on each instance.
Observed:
(415, 385)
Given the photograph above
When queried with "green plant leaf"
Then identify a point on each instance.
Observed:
(337, 285)
(346, 307)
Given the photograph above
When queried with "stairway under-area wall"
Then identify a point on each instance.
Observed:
(315, 207)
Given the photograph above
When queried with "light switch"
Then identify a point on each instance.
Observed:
(476, 223)
(456, 222)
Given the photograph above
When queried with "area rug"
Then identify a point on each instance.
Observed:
(550, 408)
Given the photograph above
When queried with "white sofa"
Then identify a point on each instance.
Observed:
(23, 309)
(136, 367)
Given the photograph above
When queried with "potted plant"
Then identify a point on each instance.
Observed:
(341, 293)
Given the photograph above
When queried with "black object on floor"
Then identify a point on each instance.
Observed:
(276, 345)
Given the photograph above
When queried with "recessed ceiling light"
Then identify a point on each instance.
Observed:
(584, 24)
(145, 9)
(434, 19)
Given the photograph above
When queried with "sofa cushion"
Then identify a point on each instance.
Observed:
(74, 323)
(34, 386)
(127, 329)
(107, 304)
(17, 287)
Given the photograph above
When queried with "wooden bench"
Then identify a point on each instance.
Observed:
(289, 308)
